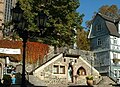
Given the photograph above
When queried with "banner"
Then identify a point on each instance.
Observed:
(10, 51)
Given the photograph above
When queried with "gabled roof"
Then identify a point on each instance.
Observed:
(47, 63)
(110, 24)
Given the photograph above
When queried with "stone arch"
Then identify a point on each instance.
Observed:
(81, 71)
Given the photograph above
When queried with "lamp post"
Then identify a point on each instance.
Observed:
(17, 18)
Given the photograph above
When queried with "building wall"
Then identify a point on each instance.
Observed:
(106, 48)
(99, 34)
(8, 5)
(102, 61)
(5, 14)
(115, 43)
(1, 17)
(114, 56)
(46, 72)
(100, 44)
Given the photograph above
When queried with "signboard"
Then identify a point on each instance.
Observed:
(10, 51)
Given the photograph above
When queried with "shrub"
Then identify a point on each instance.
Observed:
(89, 77)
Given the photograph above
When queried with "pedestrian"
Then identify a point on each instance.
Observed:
(13, 78)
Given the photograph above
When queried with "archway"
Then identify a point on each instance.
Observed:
(81, 71)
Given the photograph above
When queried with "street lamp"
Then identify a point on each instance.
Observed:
(17, 13)
(19, 24)
(41, 21)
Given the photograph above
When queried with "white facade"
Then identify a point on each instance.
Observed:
(115, 46)
(119, 27)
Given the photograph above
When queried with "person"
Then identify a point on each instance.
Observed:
(13, 78)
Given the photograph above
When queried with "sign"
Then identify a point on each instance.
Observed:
(10, 51)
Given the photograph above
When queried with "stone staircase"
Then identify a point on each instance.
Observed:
(36, 81)
(105, 82)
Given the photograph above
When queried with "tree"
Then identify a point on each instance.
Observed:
(111, 11)
(62, 19)
(82, 41)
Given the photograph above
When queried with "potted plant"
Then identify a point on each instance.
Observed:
(89, 80)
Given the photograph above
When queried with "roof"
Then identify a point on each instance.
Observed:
(112, 29)
(72, 55)
(110, 24)
(34, 50)
(106, 17)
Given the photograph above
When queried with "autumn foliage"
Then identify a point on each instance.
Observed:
(34, 50)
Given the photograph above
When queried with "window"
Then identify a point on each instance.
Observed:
(56, 69)
(98, 27)
(64, 60)
(114, 55)
(115, 73)
(99, 41)
(62, 69)
(114, 41)
(75, 61)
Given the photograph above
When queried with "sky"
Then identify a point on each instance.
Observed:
(88, 7)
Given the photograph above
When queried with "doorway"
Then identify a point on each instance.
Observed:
(81, 71)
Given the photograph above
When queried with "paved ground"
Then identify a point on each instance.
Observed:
(80, 86)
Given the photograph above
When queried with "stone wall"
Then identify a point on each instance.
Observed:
(46, 72)
(81, 79)
(1, 17)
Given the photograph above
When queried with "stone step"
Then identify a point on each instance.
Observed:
(105, 82)
(36, 81)
(103, 85)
